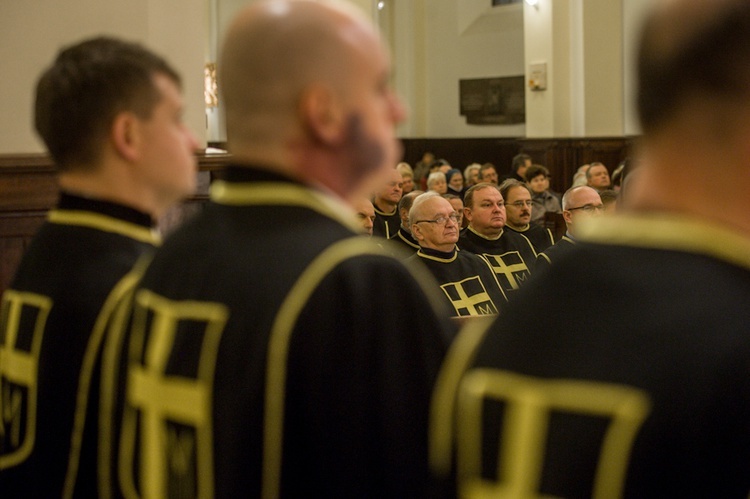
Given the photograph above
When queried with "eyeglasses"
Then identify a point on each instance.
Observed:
(441, 220)
(520, 204)
(588, 208)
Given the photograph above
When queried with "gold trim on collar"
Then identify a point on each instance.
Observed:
(670, 232)
(281, 193)
(104, 223)
(437, 258)
(401, 236)
(485, 237)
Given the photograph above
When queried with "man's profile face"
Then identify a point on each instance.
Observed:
(598, 177)
(373, 104)
(518, 206)
(168, 163)
(365, 215)
(430, 234)
(487, 214)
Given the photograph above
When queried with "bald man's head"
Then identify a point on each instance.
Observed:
(310, 77)
(273, 52)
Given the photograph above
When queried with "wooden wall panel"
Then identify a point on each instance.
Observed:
(28, 189)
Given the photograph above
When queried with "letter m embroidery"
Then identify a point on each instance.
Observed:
(167, 439)
(23, 317)
(469, 297)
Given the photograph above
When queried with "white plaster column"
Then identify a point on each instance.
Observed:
(581, 41)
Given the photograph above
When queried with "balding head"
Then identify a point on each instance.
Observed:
(305, 85)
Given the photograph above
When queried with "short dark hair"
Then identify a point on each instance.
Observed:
(703, 55)
(469, 195)
(519, 160)
(511, 183)
(536, 170)
(78, 97)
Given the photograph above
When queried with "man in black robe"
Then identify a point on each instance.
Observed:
(272, 350)
(510, 254)
(469, 286)
(108, 111)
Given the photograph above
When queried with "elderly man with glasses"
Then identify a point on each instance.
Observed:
(466, 280)
(518, 203)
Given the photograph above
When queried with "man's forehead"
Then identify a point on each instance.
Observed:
(437, 205)
(587, 197)
(488, 193)
(518, 192)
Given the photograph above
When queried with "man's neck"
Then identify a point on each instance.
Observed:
(384, 206)
(517, 228)
(489, 233)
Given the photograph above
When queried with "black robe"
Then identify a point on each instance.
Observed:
(284, 353)
(511, 256)
(540, 237)
(386, 224)
(466, 280)
(52, 326)
(624, 364)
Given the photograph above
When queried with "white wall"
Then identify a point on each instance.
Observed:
(463, 39)
(31, 34)
(435, 43)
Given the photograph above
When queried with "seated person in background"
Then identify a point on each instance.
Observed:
(543, 201)
(579, 204)
(407, 177)
(365, 212)
(439, 165)
(422, 169)
(517, 196)
(488, 174)
(458, 206)
(436, 182)
(521, 162)
(579, 178)
(404, 237)
(386, 201)
(455, 180)
(471, 175)
(597, 176)
(510, 254)
(466, 280)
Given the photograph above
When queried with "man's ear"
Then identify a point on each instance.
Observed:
(125, 135)
(567, 217)
(467, 214)
(416, 231)
(322, 114)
